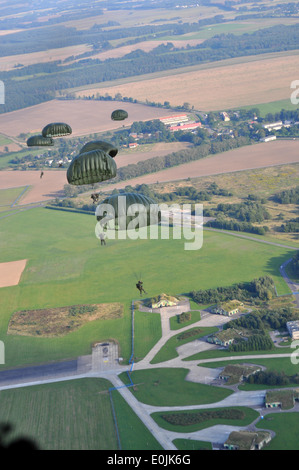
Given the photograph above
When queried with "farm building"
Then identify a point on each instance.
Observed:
(174, 120)
(274, 126)
(234, 373)
(185, 127)
(293, 329)
(228, 308)
(246, 440)
(268, 138)
(224, 337)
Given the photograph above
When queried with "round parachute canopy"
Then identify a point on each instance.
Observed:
(128, 211)
(56, 129)
(101, 145)
(91, 167)
(39, 141)
(119, 115)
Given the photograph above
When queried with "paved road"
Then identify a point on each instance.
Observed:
(267, 242)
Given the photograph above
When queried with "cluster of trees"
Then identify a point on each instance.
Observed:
(264, 319)
(248, 211)
(262, 288)
(256, 342)
(186, 419)
(288, 196)
(184, 316)
(227, 224)
(192, 194)
(290, 226)
(272, 378)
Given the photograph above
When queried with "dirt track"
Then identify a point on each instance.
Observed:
(11, 272)
(245, 158)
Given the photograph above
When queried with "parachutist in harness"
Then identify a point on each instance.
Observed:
(95, 197)
(139, 286)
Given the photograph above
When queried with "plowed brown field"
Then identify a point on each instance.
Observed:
(257, 156)
(84, 116)
(216, 86)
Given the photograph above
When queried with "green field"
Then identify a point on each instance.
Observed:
(9, 196)
(168, 351)
(132, 432)
(45, 415)
(168, 387)
(73, 415)
(285, 425)
(273, 106)
(67, 266)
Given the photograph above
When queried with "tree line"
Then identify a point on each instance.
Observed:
(262, 288)
(272, 378)
(155, 164)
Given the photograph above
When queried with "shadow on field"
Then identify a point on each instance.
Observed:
(21, 443)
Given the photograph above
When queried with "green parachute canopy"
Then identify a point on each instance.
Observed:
(91, 167)
(128, 211)
(39, 141)
(101, 145)
(56, 129)
(119, 115)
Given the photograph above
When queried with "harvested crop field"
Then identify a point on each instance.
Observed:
(84, 116)
(60, 321)
(10, 273)
(245, 158)
(41, 189)
(51, 184)
(216, 86)
(9, 62)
